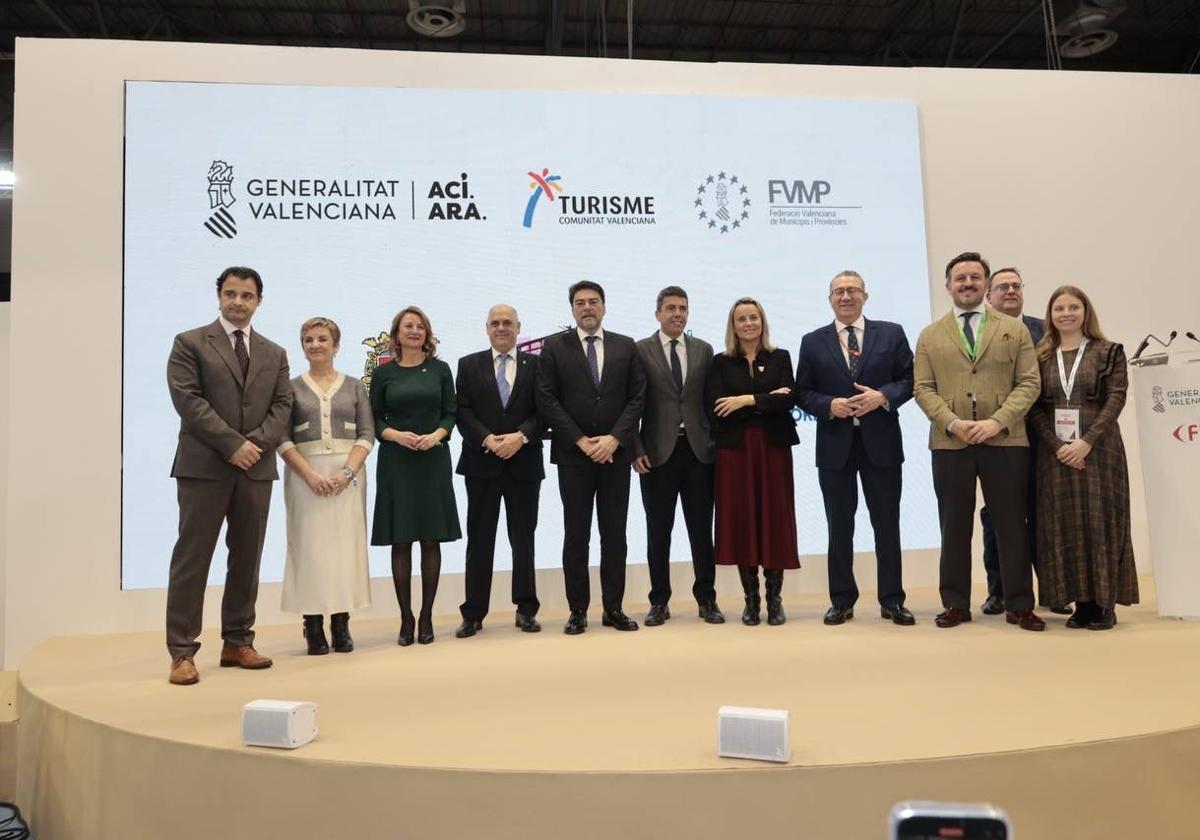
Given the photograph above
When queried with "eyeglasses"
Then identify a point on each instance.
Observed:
(1008, 287)
(849, 291)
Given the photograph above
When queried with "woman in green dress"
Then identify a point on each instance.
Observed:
(412, 398)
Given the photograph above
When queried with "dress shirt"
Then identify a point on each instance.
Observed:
(229, 328)
(510, 370)
(599, 347)
(681, 349)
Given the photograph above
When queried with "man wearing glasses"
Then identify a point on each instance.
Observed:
(853, 376)
(1006, 292)
(975, 376)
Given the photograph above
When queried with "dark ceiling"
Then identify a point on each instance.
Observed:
(1160, 36)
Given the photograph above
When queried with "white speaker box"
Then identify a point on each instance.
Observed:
(760, 734)
(279, 723)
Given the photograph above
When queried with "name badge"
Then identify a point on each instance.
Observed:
(1066, 423)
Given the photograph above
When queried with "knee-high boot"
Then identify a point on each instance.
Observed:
(774, 578)
(749, 576)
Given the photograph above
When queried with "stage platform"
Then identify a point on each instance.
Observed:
(512, 735)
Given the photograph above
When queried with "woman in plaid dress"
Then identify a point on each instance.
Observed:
(1085, 551)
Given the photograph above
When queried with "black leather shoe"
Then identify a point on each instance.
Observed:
(528, 624)
(711, 613)
(658, 615)
(617, 619)
(468, 628)
(838, 615)
(1085, 611)
(1061, 610)
(405, 637)
(425, 630)
(1103, 619)
(576, 624)
(898, 614)
(994, 605)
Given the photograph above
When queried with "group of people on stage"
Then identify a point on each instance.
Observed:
(710, 431)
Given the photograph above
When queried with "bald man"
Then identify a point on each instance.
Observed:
(501, 461)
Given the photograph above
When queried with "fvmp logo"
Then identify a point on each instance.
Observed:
(1187, 433)
(220, 198)
(721, 202)
(1156, 396)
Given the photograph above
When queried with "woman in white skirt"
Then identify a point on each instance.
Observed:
(324, 487)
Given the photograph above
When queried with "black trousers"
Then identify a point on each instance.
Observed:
(483, 518)
(242, 504)
(881, 488)
(1003, 473)
(685, 478)
(991, 552)
(605, 488)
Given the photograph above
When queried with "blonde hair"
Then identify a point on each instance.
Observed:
(321, 321)
(733, 347)
(430, 345)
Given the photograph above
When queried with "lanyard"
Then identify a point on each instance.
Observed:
(978, 332)
(1068, 382)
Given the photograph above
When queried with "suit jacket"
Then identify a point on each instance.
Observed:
(1003, 377)
(1037, 327)
(480, 413)
(574, 407)
(666, 407)
(731, 377)
(886, 364)
(218, 411)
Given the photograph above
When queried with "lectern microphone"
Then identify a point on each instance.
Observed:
(1146, 342)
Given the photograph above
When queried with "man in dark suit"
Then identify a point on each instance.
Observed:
(675, 455)
(1006, 292)
(230, 388)
(501, 460)
(853, 375)
(591, 389)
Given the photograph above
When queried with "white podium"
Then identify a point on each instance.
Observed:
(1167, 391)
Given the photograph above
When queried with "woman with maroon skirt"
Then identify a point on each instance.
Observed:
(752, 384)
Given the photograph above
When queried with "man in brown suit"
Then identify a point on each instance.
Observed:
(230, 388)
(975, 377)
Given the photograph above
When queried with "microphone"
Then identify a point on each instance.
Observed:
(1171, 338)
(1145, 343)
(1192, 336)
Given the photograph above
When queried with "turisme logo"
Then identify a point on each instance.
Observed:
(452, 200)
(1186, 433)
(1156, 396)
(220, 197)
(722, 202)
(542, 185)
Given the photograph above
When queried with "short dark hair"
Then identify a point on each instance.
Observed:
(1008, 269)
(242, 273)
(584, 285)
(969, 256)
(669, 291)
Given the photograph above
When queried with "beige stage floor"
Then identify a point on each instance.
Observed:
(593, 729)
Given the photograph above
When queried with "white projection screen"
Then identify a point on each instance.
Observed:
(354, 202)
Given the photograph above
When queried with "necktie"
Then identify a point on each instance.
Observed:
(968, 332)
(676, 367)
(239, 350)
(593, 361)
(502, 379)
(852, 353)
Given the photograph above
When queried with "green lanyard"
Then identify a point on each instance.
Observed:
(978, 332)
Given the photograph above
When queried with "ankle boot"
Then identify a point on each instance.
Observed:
(749, 576)
(339, 628)
(314, 634)
(774, 578)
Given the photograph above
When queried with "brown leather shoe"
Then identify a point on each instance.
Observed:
(243, 656)
(952, 617)
(183, 671)
(1027, 619)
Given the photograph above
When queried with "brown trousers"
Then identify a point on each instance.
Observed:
(242, 504)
